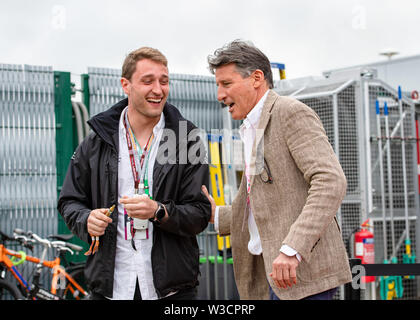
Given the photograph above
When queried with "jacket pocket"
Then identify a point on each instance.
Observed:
(316, 243)
(328, 257)
(336, 222)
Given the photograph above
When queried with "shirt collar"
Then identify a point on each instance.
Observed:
(254, 115)
(160, 125)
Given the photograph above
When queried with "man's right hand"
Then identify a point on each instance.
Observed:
(97, 222)
(212, 202)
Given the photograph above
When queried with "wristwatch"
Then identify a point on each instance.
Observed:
(160, 212)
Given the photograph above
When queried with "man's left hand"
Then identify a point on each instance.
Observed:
(140, 207)
(284, 271)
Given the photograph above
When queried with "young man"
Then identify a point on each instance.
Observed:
(286, 242)
(148, 247)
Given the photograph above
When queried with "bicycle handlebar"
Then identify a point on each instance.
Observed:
(24, 241)
(61, 245)
(45, 242)
(20, 232)
(74, 247)
(56, 244)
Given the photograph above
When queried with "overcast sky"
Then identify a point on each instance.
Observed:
(307, 36)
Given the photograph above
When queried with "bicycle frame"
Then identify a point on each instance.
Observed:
(51, 264)
(4, 252)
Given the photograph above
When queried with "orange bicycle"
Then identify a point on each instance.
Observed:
(62, 282)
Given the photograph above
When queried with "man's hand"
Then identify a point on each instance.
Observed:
(139, 206)
(212, 202)
(97, 222)
(284, 271)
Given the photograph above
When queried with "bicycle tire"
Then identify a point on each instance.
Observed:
(9, 291)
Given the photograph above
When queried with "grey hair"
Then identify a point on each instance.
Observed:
(246, 57)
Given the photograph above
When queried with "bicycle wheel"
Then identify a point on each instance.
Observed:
(8, 291)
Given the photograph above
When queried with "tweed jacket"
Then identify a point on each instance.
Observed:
(297, 209)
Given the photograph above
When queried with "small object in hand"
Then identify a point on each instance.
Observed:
(95, 240)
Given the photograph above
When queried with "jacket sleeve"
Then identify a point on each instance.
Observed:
(309, 146)
(74, 200)
(225, 219)
(190, 212)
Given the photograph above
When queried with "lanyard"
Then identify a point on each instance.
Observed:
(142, 156)
(138, 157)
(248, 184)
(248, 188)
(247, 168)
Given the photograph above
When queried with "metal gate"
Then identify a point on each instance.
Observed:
(28, 188)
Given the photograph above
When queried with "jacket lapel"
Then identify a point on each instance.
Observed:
(257, 155)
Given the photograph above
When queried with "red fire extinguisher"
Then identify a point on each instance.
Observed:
(364, 248)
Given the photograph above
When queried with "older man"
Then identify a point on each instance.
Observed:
(286, 242)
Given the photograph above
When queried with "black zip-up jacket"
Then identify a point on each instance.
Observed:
(92, 182)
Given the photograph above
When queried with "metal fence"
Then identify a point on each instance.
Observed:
(28, 189)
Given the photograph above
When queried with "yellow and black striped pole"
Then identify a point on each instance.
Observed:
(216, 180)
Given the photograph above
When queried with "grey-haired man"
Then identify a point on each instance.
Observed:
(286, 242)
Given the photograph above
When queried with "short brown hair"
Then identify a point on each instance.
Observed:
(130, 62)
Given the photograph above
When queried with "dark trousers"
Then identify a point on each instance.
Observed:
(326, 295)
(186, 294)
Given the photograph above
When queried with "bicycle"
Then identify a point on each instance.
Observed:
(62, 282)
(75, 269)
(7, 288)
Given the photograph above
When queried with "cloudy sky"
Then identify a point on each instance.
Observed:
(307, 36)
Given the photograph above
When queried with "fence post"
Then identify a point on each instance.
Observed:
(64, 128)
(85, 90)
(66, 142)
